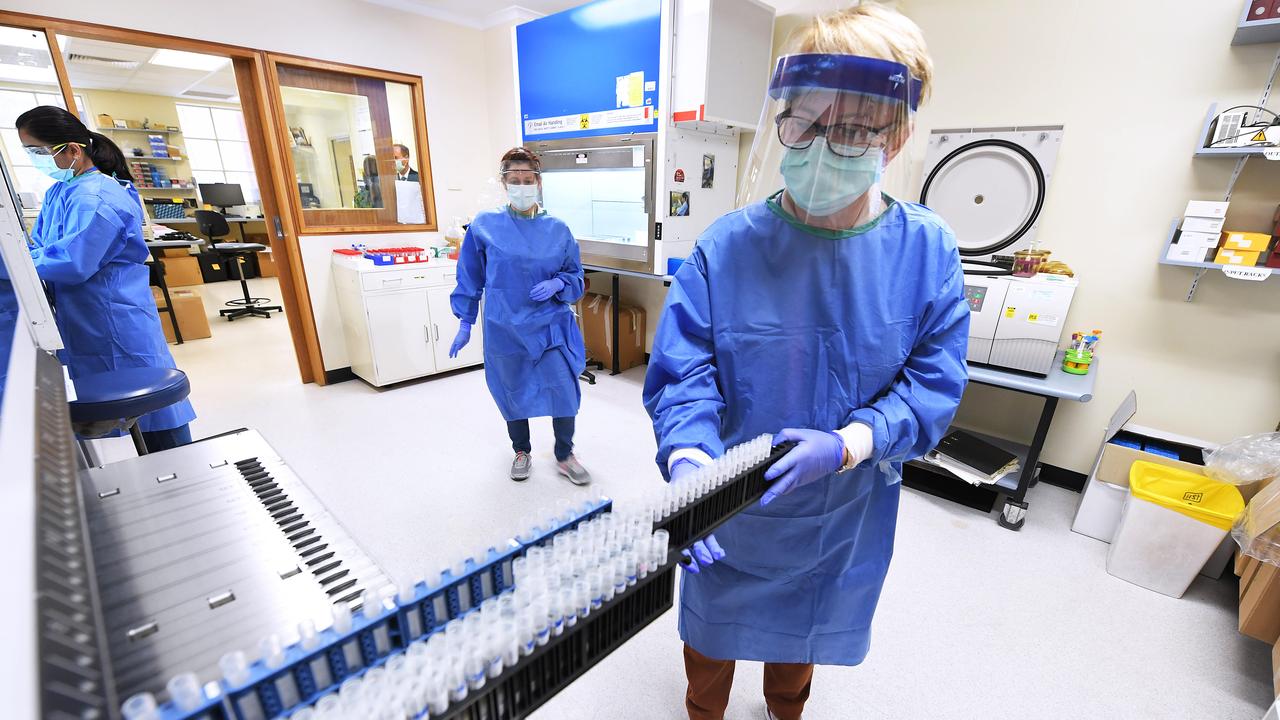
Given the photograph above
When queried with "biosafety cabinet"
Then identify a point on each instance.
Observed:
(635, 108)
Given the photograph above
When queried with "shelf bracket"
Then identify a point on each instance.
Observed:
(1195, 282)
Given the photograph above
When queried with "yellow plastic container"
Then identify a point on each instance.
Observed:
(1172, 522)
(1196, 496)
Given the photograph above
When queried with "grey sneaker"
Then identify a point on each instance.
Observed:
(573, 470)
(520, 467)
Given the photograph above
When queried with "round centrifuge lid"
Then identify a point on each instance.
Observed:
(989, 191)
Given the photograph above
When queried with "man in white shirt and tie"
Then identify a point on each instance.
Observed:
(403, 171)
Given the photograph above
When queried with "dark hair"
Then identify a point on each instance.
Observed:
(56, 126)
(404, 150)
(371, 183)
(521, 155)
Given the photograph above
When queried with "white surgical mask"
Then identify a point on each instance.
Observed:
(822, 183)
(402, 166)
(522, 197)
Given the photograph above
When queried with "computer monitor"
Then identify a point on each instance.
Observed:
(221, 195)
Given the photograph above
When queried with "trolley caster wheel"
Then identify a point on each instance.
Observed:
(1013, 515)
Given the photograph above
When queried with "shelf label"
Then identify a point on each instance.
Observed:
(1246, 273)
(1271, 153)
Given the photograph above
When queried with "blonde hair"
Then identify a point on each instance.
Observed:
(869, 30)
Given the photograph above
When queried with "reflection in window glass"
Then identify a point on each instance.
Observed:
(343, 130)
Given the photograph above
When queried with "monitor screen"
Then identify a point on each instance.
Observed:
(221, 194)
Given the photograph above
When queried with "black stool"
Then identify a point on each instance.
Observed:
(114, 400)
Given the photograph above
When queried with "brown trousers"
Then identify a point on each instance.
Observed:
(786, 686)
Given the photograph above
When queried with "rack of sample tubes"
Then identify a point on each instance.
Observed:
(498, 635)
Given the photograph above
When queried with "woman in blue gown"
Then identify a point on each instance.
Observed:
(89, 251)
(525, 264)
(831, 315)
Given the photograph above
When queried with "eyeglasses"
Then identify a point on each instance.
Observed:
(45, 150)
(844, 139)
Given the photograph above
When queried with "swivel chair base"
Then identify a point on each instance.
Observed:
(248, 310)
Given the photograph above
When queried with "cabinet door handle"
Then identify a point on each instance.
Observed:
(426, 334)
(437, 329)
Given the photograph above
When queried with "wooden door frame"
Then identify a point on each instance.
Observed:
(264, 120)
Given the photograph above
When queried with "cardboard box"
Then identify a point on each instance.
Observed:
(1208, 241)
(1275, 660)
(1260, 601)
(1242, 258)
(180, 271)
(175, 252)
(1247, 241)
(596, 313)
(1199, 224)
(1102, 501)
(1206, 209)
(189, 307)
(106, 121)
(266, 264)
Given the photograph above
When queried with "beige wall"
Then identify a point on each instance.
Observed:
(449, 58)
(1132, 87)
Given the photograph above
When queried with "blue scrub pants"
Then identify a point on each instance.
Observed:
(563, 426)
(158, 440)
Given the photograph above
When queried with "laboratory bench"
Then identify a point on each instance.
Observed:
(1058, 385)
(617, 301)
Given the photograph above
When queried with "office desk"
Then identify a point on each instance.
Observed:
(613, 327)
(1058, 385)
(238, 222)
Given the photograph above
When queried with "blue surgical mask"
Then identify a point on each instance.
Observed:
(823, 183)
(47, 165)
(522, 197)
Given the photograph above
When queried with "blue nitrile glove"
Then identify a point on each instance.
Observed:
(707, 550)
(461, 339)
(818, 454)
(545, 289)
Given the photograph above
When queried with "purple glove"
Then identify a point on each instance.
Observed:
(545, 289)
(707, 550)
(817, 455)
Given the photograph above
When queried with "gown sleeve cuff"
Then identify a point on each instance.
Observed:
(698, 456)
(872, 419)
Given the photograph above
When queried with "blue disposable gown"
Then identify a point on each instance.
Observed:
(533, 351)
(771, 325)
(90, 252)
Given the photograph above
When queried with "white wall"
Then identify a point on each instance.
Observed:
(450, 59)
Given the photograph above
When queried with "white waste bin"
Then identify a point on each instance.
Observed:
(1172, 522)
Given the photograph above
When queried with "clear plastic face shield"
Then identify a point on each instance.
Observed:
(829, 128)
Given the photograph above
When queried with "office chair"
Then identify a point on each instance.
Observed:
(213, 225)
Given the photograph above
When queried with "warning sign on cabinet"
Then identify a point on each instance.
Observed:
(623, 117)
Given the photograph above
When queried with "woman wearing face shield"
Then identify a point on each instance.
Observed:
(89, 250)
(527, 265)
(833, 316)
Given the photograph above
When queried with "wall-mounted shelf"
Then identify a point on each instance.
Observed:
(168, 189)
(153, 131)
(1200, 267)
(1206, 136)
(1252, 32)
(153, 157)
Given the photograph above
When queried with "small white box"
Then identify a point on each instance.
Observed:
(1186, 253)
(1203, 240)
(1203, 225)
(1206, 209)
